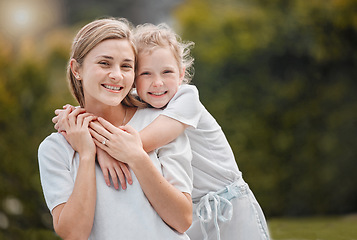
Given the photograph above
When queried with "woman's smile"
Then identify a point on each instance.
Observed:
(112, 88)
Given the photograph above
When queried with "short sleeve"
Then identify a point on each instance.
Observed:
(185, 106)
(57, 179)
(175, 159)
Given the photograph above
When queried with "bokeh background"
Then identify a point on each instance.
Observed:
(279, 76)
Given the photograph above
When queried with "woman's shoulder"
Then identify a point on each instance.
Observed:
(56, 144)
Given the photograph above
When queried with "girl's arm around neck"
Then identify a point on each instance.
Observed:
(183, 110)
(160, 132)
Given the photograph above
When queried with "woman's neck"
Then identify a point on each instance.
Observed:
(116, 115)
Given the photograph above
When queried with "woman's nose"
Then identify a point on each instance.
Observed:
(116, 74)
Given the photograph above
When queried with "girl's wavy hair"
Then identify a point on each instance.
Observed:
(149, 36)
(90, 36)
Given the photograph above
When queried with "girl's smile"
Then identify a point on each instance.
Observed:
(158, 76)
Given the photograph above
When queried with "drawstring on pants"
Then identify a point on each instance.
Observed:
(217, 206)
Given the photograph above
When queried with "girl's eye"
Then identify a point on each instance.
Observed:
(144, 73)
(168, 71)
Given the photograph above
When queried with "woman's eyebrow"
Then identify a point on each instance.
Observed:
(128, 60)
(111, 58)
(105, 56)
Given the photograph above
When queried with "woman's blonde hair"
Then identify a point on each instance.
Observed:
(90, 36)
(149, 36)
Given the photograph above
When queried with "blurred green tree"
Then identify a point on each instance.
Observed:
(32, 84)
(279, 76)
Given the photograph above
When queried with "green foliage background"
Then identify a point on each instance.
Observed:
(279, 76)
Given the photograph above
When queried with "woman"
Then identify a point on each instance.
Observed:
(101, 73)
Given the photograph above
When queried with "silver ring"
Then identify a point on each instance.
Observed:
(104, 141)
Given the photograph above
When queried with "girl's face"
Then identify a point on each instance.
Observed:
(107, 72)
(158, 76)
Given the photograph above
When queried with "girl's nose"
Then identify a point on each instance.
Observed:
(158, 82)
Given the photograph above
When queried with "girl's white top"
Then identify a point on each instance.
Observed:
(214, 165)
(119, 214)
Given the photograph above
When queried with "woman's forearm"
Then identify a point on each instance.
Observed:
(74, 219)
(173, 206)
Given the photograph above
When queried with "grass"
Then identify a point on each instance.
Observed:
(314, 228)
(308, 228)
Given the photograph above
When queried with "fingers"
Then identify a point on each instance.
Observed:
(62, 122)
(98, 139)
(113, 175)
(72, 116)
(121, 176)
(127, 128)
(55, 119)
(106, 175)
(59, 113)
(85, 118)
(69, 106)
(125, 169)
(107, 125)
(100, 133)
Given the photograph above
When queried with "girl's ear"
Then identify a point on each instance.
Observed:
(182, 75)
(75, 69)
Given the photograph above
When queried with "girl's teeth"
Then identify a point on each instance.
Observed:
(158, 94)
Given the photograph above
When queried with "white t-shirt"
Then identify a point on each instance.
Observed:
(119, 214)
(214, 165)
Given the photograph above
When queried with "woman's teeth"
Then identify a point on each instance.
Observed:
(112, 87)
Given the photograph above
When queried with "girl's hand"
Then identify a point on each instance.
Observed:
(60, 114)
(77, 131)
(115, 168)
(123, 144)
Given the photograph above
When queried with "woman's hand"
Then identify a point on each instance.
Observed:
(77, 132)
(123, 143)
(114, 168)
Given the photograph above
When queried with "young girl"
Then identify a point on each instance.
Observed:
(223, 205)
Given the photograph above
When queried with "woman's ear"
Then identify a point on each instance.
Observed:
(75, 69)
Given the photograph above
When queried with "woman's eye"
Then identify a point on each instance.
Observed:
(104, 63)
(127, 66)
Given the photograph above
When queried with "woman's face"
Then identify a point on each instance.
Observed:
(107, 72)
